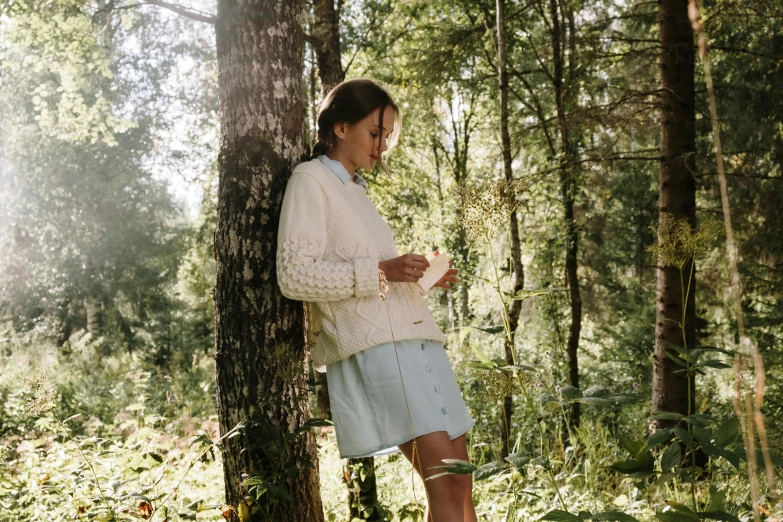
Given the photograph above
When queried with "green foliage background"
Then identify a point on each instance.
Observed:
(112, 115)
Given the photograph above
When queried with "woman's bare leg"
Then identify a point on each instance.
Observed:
(447, 493)
(461, 449)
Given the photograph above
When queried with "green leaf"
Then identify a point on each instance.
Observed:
(682, 508)
(727, 432)
(709, 449)
(717, 498)
(596, 391)
(155, 456)
(702, 434)
(719, 515)
(599, 401)
(519, 461)
(481, 356)
(463, 333)
(632, 467)
(659, 437)
(712, 349)
(683, 352)
(634, 447)
(571, 392)
(562, 516)
(487, 470)
(669, 516)
(671, 457)
(676, 516)
(713, 363)
(677, 360)
(666, 415)
(466, 330)
(455, 467)
(684, 436)
(616, 516)
(699, 419)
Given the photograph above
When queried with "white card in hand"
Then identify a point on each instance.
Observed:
(439, 265)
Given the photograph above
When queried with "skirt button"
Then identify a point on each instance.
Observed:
(443, 411)
(437, 389)
(429, 368)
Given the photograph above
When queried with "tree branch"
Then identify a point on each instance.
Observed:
(182, 11)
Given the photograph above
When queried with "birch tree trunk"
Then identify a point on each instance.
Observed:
(259, 334)
(677, 186)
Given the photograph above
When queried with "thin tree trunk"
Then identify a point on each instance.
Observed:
(566, 99)
(359, 477)
(325, 39)
(259, 335)
(677, 186)
(65, 322)
(515, 307)
(92, 306)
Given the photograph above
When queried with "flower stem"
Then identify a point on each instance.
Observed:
(89, 463)
(506, 319)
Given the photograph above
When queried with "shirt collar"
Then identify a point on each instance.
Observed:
(341, 172)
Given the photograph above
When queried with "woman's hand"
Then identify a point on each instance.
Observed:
(449, 277)
(407, 268)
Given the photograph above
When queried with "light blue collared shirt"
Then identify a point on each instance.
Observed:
(341, 172)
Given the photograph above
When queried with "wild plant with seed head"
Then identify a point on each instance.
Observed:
(498, 382)
(484, 208)
(44, 396)
(678, 243)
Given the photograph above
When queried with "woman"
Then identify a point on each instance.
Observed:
(391, 385)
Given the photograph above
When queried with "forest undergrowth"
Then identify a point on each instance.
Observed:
(99, 437)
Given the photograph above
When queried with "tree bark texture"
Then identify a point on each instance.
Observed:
(259, 335)
(325, 39)
(566, 99)
(677, 199)
(515, 307)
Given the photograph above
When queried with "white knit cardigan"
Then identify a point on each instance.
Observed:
(329, 243)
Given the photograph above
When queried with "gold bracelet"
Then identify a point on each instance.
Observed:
(383, 285)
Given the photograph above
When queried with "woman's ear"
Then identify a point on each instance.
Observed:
(340, 129)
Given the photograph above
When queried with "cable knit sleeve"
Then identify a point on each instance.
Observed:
(302, 273)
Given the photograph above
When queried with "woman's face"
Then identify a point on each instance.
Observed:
(360, 144)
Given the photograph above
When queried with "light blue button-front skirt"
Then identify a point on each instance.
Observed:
(369, 407)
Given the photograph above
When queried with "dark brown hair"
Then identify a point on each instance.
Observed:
(350, 102)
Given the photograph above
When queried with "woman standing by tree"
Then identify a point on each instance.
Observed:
(391, 385)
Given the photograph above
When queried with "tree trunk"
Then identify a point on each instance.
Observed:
(325, 38)
(259, 334)
(566, 90)
(94, 310)
(65, 321)
(515, 307)
(359, 477)
(677, 185)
